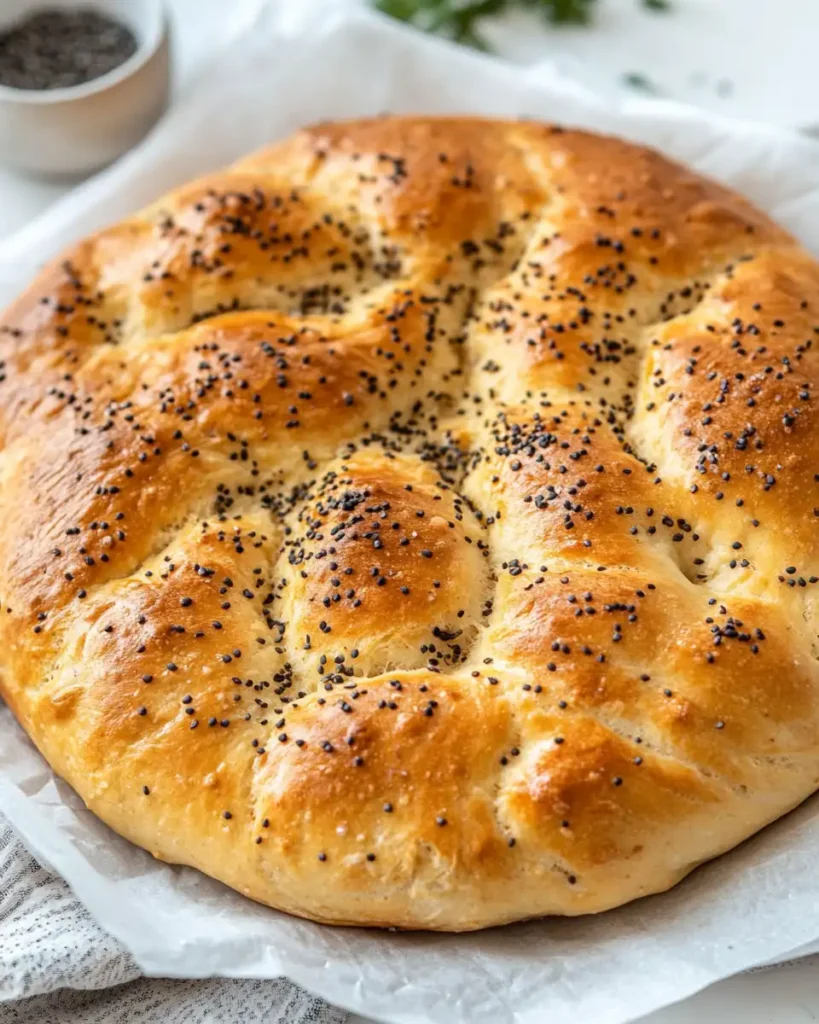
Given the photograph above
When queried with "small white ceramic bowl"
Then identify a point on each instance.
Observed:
(73, 131)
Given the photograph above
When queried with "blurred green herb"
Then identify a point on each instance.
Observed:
(458, 19)
(637, 80)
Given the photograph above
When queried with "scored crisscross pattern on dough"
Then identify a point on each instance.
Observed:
(415, 523)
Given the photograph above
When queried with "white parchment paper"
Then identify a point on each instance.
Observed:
(279, 67)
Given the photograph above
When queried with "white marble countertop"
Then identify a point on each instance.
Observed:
(747, 58)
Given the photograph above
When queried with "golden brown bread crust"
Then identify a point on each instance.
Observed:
(415, 524)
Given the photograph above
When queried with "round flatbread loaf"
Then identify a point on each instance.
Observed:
(415, 524)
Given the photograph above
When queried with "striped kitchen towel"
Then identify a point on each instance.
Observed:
(57, 965)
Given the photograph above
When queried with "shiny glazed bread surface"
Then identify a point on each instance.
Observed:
(415, 524)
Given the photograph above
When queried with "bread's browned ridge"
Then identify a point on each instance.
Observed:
(415, 523)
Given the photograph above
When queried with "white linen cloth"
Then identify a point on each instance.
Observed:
(57, 965)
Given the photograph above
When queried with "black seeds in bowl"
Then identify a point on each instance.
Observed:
(55, 49)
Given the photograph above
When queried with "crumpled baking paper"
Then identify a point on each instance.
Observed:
(280, 67)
